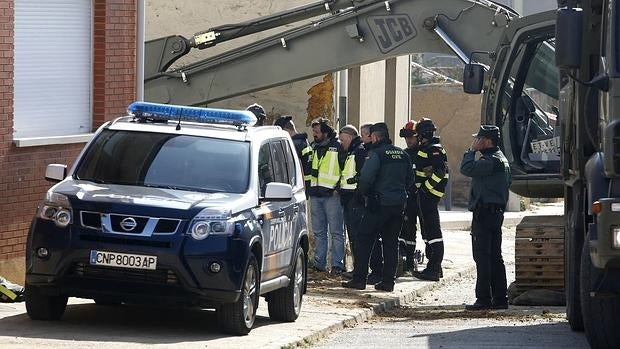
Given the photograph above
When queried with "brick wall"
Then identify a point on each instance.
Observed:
(22, 169)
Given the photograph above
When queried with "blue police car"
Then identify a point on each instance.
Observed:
(172, 204)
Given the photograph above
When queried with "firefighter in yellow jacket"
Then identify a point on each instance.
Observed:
(431, 179)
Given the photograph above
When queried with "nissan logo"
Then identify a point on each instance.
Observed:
(128, 224)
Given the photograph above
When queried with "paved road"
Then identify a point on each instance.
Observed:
(438, 320)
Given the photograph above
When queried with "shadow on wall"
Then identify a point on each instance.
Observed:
(457, 116)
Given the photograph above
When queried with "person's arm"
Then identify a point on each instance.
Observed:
(471, 167)
(438, 173)
(369, 173)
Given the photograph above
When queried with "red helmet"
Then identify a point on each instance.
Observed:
(408, 130)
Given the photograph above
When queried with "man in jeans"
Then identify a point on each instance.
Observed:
(325, 208)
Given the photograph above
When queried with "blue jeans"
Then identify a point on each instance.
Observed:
(327, 212)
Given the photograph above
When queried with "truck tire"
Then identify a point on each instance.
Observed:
(573, 242)
(285, 304)
(601, 316)
(40, 306)
(238, 318)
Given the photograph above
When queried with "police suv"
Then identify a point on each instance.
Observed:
(173, 204)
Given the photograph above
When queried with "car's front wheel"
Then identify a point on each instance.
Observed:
(238, 318)
(285, 304)
(40, 306)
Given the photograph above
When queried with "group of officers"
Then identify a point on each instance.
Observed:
(378, 191)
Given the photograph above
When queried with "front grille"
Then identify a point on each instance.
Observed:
(119, 220)
(125, 241)
(166, 226)
(129, 224)
(157, 277)
(91, 220)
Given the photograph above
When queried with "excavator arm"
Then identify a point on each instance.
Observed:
(350, 33)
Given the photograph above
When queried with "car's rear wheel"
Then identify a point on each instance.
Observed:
(238, 318)
(40, 306)
(285, 304)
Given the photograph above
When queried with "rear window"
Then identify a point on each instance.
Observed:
(167, 161)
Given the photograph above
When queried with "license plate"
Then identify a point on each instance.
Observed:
(123, 260)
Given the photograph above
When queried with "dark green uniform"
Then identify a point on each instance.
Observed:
(488, 197)
(384, 179)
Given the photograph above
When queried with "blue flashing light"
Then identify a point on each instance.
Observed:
(158, 111)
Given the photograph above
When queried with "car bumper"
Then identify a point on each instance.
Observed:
(182, 274)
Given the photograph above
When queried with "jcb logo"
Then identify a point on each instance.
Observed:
(391, 31)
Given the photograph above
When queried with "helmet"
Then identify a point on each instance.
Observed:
(408, 130)
(259, 112)
(425, 127)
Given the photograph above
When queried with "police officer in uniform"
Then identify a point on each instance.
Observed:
(300, 140)
(352, 157)
(383, 180)
(259, 112)
(408, 231)
(488, 197)
(431, 178)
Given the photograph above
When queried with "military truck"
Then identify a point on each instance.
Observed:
(558, 126)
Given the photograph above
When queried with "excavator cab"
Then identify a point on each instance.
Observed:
(522, 99)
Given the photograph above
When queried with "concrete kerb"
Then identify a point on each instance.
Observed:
(381, 307)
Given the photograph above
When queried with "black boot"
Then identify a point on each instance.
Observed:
(479, 305)
(382, 286)
(426, 275)
(354, 284)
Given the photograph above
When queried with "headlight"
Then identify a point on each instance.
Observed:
(56, 207)
(212, 221)
(615, 235)
(200, 230)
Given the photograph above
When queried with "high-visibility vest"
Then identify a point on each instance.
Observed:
(348, 172)
(325, 170)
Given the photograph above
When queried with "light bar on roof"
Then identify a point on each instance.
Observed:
(158, 111)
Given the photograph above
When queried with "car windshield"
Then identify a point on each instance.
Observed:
(167, 161)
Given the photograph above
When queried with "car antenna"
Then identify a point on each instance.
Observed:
(179, 123)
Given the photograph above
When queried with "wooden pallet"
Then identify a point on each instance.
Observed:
(539, 247)
(539, 261)
(539, 253)
(550, 227)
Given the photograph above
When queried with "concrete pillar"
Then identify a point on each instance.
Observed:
(372, 92)
(353, 100)
(397, 96)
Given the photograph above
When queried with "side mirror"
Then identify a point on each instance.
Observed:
(568, 38)
(55, 172)
(278, 192)
(473, 78)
